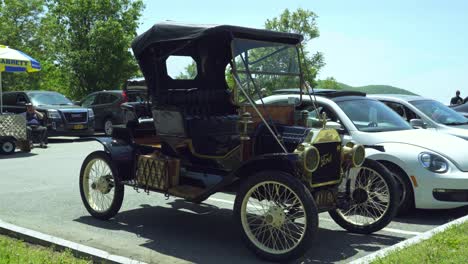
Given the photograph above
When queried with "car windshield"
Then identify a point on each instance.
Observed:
(372, 116)
(49, 98)
(440, 113)
(263, 67)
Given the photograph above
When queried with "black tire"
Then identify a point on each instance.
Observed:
(386, 217)
(105, 124)
(304, 196)
(118, 187)
(405, 189)
(7, 147)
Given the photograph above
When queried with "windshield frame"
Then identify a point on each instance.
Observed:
(235, 71)
(406, 126)
(238, 85)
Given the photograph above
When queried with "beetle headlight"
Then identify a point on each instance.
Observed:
(353, 153)
(433, 162)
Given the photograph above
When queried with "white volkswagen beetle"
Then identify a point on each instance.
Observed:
(432, 168)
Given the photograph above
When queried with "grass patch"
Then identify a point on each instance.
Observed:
(16, 251)
(450, 246)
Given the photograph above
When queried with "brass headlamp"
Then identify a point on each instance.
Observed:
(353, 154)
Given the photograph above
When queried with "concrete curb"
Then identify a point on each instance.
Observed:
(414, 240)
(78, 250)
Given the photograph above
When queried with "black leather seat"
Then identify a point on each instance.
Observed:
(208, 118)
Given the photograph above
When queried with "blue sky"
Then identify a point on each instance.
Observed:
(421, 46)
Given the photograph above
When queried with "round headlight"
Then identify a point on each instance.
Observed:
(359, 155)
(433, 162)
(311, 158)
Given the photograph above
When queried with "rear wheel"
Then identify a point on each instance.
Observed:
(276, 215)
(372, 202)
(7, 147)
(101, 193)
(108, 127)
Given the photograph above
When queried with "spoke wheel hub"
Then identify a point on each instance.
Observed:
(103, 184)
(360, 196)
(275, 217)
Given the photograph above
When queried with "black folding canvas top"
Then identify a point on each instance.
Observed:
(170, 32)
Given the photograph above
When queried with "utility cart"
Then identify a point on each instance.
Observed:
(214, 134)
(13, 134)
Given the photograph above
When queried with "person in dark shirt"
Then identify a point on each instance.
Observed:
(33, 118)
(457, 99)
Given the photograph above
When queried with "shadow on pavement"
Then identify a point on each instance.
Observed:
(18, 155)
(432, 217)
(207, 234)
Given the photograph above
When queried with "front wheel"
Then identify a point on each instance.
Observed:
(372, 200)
(7, 147)
(276, 215)
(101, 192)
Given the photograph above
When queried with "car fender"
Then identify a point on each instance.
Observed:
(403, 155)
(122, 154)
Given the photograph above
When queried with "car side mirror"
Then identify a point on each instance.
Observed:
(417, 123)
(77, 103)
(335, 125)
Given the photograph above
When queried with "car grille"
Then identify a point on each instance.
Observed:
(76, 117)
(329, 168)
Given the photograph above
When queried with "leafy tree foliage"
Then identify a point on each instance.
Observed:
(329, 83)
(19, 21)
(89, 40)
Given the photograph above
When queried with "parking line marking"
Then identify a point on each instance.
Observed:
(387, 229)
(220, 200)
(393, 230)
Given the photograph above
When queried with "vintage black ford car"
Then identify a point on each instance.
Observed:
(212, 136)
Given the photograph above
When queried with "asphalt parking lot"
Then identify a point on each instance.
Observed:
(39, 191)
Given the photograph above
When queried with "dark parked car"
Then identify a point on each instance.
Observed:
(462, 109)
(63, 117)
(107, 107)
(138, 110)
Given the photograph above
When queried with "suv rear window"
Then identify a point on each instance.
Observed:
(134, 96)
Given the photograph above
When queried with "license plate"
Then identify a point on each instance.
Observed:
(78, 127)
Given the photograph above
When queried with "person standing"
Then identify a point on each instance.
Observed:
(33, 118)
(457, 99)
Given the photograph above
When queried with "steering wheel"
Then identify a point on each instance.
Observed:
(372, 124)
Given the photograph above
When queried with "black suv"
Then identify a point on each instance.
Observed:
(107, 107)
(63, 117)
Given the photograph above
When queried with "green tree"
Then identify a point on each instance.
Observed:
(303, 22)
(19, 23)
(88, 43)
(329, 83)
